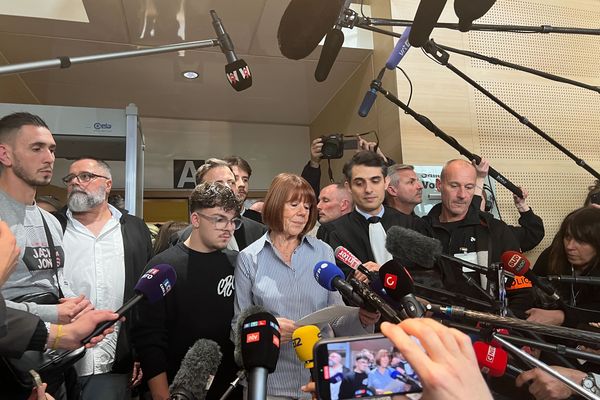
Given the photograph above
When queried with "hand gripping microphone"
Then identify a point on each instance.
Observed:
(516, 263)
(197, 371)
(332, 278)
(399, 285)
(153, 286)
(237, 71)
(259, 340)
(304, 340)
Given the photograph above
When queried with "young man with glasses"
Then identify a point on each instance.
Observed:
(107, 251)
(201, 304)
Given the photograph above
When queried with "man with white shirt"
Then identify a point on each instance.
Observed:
(107, 252)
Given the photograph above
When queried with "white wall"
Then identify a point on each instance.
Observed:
(269, 149)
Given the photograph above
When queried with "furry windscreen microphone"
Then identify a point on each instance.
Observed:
(427, 15)
(408, 245)
(237, 341)
(304, 23)
(197, 371)
(468, 11)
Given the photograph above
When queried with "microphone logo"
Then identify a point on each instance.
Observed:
(253, 337)
(517, 263)
(491, 354)
(390, 281)
(276, 341)
(166, 286)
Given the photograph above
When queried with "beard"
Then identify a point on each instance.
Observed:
(30, 178)
(80, 201)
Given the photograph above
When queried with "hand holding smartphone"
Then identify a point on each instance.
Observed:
(362, 367)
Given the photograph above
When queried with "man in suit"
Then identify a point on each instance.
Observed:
(216, 170)
(363, 230)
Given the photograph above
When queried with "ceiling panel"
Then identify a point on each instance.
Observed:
(283, 92)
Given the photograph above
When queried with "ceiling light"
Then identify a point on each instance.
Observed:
(190, 74)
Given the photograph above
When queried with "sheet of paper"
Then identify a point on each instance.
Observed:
(326, 315)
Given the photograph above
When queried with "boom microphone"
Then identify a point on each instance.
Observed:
(371, 95)
(412, 246)
(237, 71)
(196, 372)
(331, 48)
(153, 286)
(426, 17)
(455, 312)
(399, 51)
(303, 25)
(585, 280)
(518, 264)
(399, 285)
(468, 11)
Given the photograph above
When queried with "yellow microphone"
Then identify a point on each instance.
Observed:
(303, 340)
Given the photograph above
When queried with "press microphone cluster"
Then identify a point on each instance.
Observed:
(329, 276)
(237, 71)
(197, 371)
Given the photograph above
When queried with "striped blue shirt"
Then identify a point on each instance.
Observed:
(262, 278)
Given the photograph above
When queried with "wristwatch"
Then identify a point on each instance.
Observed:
(590, 383)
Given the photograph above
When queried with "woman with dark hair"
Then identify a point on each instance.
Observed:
(574, 251)
(276, 272)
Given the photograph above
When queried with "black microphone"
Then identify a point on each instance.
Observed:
(586, 280)
(455, 312)
(409, 245)
(468, 11)
(259, 343)
(426, 17)
(399, 285)
(153, 285)
(331, 48)
(237, 71)
(371, 95)
(197, 371)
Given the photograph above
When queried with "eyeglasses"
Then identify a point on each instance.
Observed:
(83, 177)
(221, 222)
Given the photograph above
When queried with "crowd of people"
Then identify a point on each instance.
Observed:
(61, 271)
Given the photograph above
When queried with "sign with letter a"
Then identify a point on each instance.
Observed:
(184, 173)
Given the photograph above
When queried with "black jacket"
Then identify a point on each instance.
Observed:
(478, 232)
(137, 246)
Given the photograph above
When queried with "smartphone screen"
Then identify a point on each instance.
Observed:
(363, 366)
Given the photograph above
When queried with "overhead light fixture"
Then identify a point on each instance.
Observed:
(190, 74)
